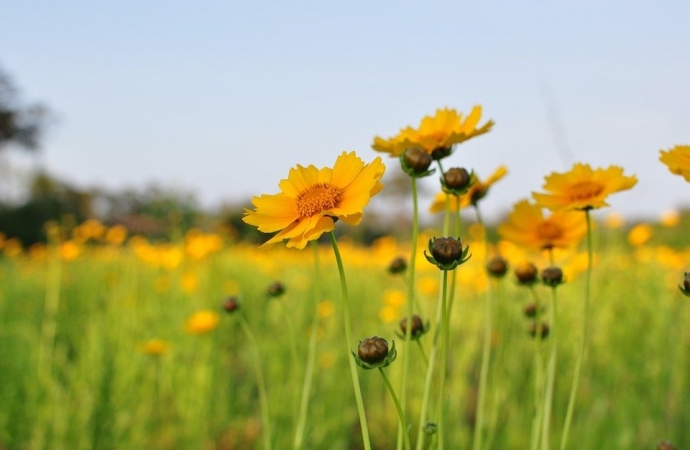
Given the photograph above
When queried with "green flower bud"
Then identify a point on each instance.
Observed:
(415, 162)
(447, 253)
(552, 276)
(275, 289)
(398, 265)
(231, 304)
(373, 352)
(526, 273)
(497, 266)
(418, 327)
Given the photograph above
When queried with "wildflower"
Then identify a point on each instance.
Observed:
(417, 327)
(582, 188)
(677, 160)
(311, 200)
(614, 221)
(325, 309)
(527, 226)
(497, 266)
(526, 273)
(640, 234)
(670, 218)
(416, 162)
(477, 191)
(552, 276)
(373, 352)
(201, 322)
(231, 304)
(457, 180)
(398, 265)
(447, 253)
(436, 134)
(116, 235)
(154, 347)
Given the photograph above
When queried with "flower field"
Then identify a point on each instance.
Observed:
(561, 327)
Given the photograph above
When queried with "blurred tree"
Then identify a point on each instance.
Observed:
(21, 125)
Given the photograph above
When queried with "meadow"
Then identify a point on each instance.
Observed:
(109, 341)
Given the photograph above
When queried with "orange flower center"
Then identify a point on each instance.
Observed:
(316, 198)
(584, 190)
(549, 232)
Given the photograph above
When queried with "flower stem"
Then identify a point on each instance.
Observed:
(583, 341)
(263, 399)
(538, 374)
(348, 338)
(551, 373)
(311, 357)
(486, 350)
(401, 414)
(444, 363)
(402, 429)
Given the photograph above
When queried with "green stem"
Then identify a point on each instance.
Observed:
(402, 429)
(583, 340)
(50, 308)
(263, 398)
(538, 375)
(348, 338)
(401, 414)
(311, 357)
(444, 363)
(498, 365)
(551, 373)
(486, 349)
(423, 353)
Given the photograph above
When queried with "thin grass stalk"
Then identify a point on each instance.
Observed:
(497, 393)
(538, 375)
(486, 350)
(261, 383)
(311, 356)
(424, 410)
(398, 407)
(583, 340)
(348, 338)
(402, 429)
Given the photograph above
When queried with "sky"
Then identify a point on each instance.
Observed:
(222, 98)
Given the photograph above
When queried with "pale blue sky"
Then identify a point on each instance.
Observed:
(223, 98)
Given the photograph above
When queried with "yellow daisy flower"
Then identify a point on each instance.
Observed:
(677, 160)
(436, 134)
(527, 226)
(476, 192)
(201, 322)
(312, 198)
(582, 188)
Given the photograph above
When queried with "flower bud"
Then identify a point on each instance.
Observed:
(275, 289)
(456, 179)
(526, 273)
(665, 445)
(417, 326)
(446, 250)
(373, 350)
(398, 265)
(441, 152)
(417, 159)
(542, 330)
(686, 282)
(231, 304)
(530, 310)
(497, 266)
(552, 276)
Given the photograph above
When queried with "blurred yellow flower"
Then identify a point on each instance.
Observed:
(640, 234)
(154, 347)
(476, 192)
(428, 285)
(582, 188)
(199, 245)
(12, 247)
(670, 218)
(116, 235)
(614, 221)
(527, 226)
(38, 251)
(325, 309)
(389, 314)
(436, 134)
(70, 250)
(201, 322)
(677, 160)
(310, 200)
(189, 282)
(90, 229)
(395, 298)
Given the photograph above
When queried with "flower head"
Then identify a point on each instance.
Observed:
(677, 160)
(447, 253)
(201, 322)
(477, 191)
(582, 188)
(373, 352)
(312, 199)
(436, 134)
(527, 226)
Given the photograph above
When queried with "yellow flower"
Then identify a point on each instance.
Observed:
(614, 221)
(476, 192)
(677, 160)
(640, 234)
(670, 218)
(582, 188)
(527, 226)
(116, 235)
(201, 322)
(325, 309)
(154, 347)
(312, 198)
(435, 133)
